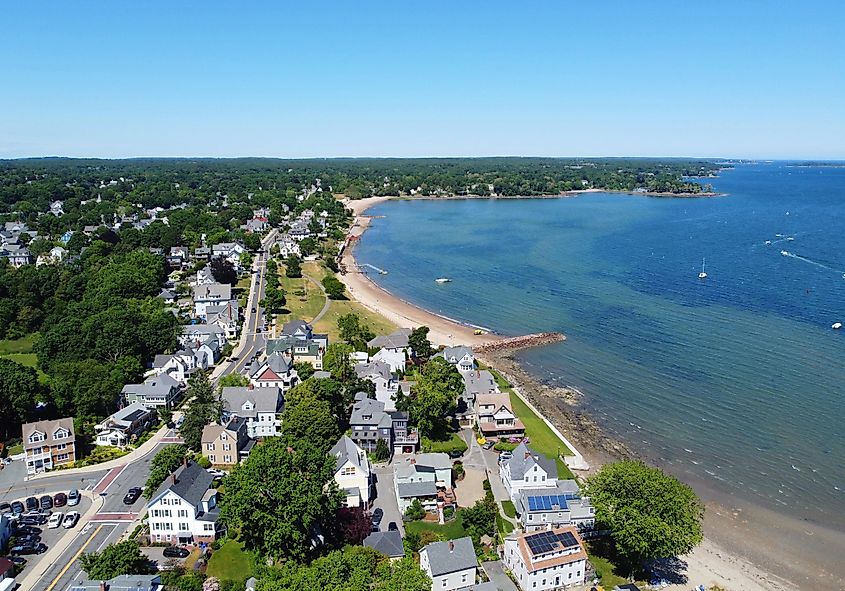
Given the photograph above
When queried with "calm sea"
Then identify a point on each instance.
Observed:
(736, 381)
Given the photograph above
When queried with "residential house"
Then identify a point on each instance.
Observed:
(18, 255)
(227, 444)
(302, 350)
(193, 333)
(276, 370)
(260, 407)
(178, 257)
(256, 224)
(184, 508)
(231, 251)
(120, 583)
(167, 296)
(48, 444)
(476, 382)
(301, 330)
(495, 416)
(130, 421)
(352, 472)
(213, 294)
(397, 341)
(450, 565)
(542, 508)
(56, 255)
(159, 391)
(461, 357)
(370, 422)
(527, 469)
(379, 374)
(205, 276)
(201, 254)
(226, 316)
(388, 543)
(549, 559)
(57, 208)
(178, 367)
(394, 359)
(421, 478)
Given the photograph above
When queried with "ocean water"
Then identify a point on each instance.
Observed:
(736, 381)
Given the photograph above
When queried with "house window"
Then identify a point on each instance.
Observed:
(227, 459)
(463, 577)
(183, 512)
(61, 457)
(211, 459)
(348, 471)
(183, 527)
(445, 582)
(61, 446)
(208, 527)
(227, 447)
(35, 437)
(209, 446)
(223, 436)
(60, 434)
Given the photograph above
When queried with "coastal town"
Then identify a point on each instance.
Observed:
(426, 448)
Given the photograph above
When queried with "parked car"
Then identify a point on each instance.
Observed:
(27, 530)
(46, 502)
(5, 508)
(70, 519)
(454, 454)
(17, 507)
(378, 515)
(29, 549)
(31, 504)
(33, 518)
(175, 552)
(392, 526)
(55, 520)
(16, 560)
(59, 500)
(132, 495)
(27, 540)
(488, 444)
(73, 498)
(179, 421)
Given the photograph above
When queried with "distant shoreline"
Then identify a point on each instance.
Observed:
(564, 195)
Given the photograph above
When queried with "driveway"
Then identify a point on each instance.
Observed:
(12, 474)
(486, 460)
(156, 556)
(386, 497)
(496, 573)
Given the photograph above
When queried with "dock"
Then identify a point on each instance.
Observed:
(521, 342)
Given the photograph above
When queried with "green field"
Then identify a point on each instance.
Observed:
(451, 530)
(231, 563)
(307, 305)
(509, 509)
(21, 345)
(454, 443)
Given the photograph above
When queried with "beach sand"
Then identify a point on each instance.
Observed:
(731, 556)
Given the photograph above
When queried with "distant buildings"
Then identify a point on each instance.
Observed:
(48, 444)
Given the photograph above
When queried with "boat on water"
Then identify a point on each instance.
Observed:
(703, 274)
(443, 280)
(836, 325)
(784, 253)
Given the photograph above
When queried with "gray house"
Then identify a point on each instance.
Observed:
(541, 508)
(388, 543)
(156, 392)
(451, 565)
(369, 423)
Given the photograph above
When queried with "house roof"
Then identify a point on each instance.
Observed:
(388, 543)
(457, 353)
(496, 399)
(540, 500)
(293, 326)
(370, 412)
(276, 362)
(409, 490)
(159, 385)
(120, 583)
(524, 458)
(213, 291)
(537, 549)
(206, 329)
(264, 399)
(345, 450)
(192, 480)
(479, 382)
(450, 557)
(129, 414)
(437, 460)
(373, 368)
(48, 428)
(398, 339)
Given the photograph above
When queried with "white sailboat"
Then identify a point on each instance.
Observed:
(702, 275)
(443, 280)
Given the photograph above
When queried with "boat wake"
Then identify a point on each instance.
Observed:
(812, 262)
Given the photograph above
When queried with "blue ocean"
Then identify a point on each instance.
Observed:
(736, 381)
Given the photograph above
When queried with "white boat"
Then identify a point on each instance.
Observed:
(836, 325)
(443, 280)
(768, 242)
(784, 253)
(702, 275)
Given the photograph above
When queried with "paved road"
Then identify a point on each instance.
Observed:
(113, 518)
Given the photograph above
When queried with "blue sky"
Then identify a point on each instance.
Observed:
(431, 78)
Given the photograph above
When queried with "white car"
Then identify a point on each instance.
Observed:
(55, 520)
(70, 519)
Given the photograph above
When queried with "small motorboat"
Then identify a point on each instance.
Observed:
(836, 325)
(443, 280)
(703, 274)
(784, 253)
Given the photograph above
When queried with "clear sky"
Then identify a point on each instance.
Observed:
(423, 78)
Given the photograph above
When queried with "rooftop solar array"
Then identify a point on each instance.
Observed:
(546, 502)
(135, 415)
(547, 541)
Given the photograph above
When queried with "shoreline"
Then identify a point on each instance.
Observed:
(731, 555)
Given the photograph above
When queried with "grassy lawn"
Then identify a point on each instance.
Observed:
(509, 509)
(21, 345)
(606, 572)
(305, 306)
(231, 563)
(542, 438)
(503, 525)
(454, 443)
(451, 530)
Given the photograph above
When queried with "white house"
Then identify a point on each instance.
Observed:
(420, 478)
(394, 359)
(527, 469)
(450, 565)
(213, 294)
(396, 341)
(461, 357)
(378, 372)
(260, 407)
(118, 429)
(495, 416)
(352, 472)
(201, 332)
(184, 508)
(549, 559)
(542, 508)
(276, 370)
(231, 251)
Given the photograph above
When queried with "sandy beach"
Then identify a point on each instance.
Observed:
(731, 555)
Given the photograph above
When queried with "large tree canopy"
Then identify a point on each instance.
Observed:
(19, 390)
(122, 558)
(650, 514)
(281, 498)
(433, 396)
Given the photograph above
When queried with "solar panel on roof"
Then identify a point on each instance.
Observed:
(135, 415)
(547, 541)
(567, 539)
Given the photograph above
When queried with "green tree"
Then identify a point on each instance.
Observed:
(204, 407)
(415, 510)
(280, 497)
(650, 514)
(353, 331)
(433, 397)
(402, 575)
(382, 451)
(166, 460)
(419, 343)
(246, 260)
(122, 558)
(310, 419)
(89, 388)
(232, 379)
(337, 361)
(480, 519)
(334, 288)
(293, 266)
(19, 391)
(304, 369)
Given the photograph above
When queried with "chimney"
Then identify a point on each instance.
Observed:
(173, 478)
(527, 455)
(413, 460)
(451, 546)
(103, 586)
(185, 461)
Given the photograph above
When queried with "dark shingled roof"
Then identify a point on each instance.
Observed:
(192, 480)
(388, 543)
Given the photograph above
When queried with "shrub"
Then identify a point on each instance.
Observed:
(415, 511)
(505, 446)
